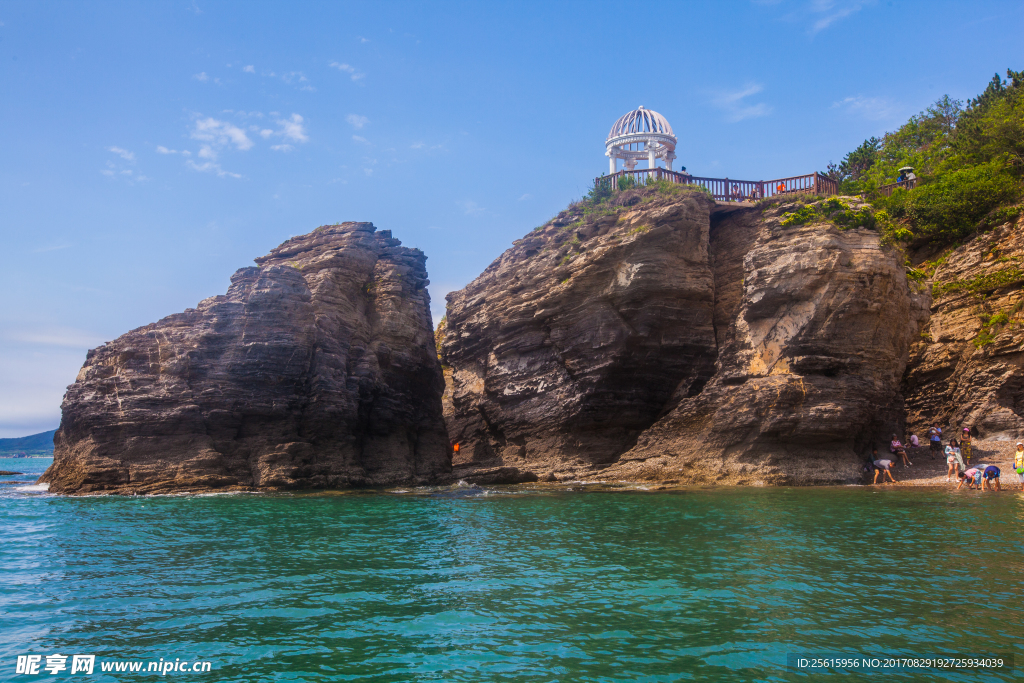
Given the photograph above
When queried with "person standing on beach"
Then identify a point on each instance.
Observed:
(954, 460)
(965, 444)
(935, 434)
(1018, 463)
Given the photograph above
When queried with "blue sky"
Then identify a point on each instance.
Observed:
(150, 149)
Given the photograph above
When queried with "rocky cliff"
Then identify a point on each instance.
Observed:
(316, 369)
(659, 336)
(966, 367)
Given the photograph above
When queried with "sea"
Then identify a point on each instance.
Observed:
(582, 581)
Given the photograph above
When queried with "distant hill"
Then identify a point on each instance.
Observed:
(36, 444)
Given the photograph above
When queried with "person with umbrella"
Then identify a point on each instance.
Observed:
(907, 176)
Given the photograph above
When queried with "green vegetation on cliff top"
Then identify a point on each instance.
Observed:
(969, 160)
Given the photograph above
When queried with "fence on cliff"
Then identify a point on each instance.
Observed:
(887, 190)
(729, 189)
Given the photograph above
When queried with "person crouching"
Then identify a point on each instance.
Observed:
(880, 467)
(990, 478)
(969, 477)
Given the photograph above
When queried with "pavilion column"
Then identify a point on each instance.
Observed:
(650, 155)
(611, 165)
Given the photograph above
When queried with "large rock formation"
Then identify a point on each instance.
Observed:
(668, 338)
(967, 366)
(808, 377)
(317, 369)
(569, 345)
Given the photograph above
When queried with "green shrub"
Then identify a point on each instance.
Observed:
(833, 210)
(805, 214)
(986, 282)
(600, 192)
(949, 208)
(627, 182)
(984, 338)
(1002, 215)
(998, 319)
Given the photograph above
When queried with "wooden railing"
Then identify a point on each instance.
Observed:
(728, 189)
(887, 190)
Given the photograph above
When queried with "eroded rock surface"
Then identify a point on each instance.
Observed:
(570, 344)
(967, 366)
(316, 369)
(673, 339)
(809, 371)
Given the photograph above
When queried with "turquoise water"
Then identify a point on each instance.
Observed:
(511, 584)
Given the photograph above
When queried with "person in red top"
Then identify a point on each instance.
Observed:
(781, 188)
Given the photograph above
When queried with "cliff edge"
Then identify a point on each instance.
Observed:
(316, 369)
(659, 336)
(966, 367)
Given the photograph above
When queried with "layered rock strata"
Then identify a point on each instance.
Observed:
(810, 368)
(966, 367)
(569, 345)
(316, 369)
(668, 338)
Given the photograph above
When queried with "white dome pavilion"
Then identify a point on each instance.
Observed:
(641, 134)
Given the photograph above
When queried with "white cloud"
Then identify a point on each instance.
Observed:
(356, 120)
(61, 336)
(250, 69)
(126, 172)
(123, 153)
(106, 172)
(206, 152)
(827, 12)
(470, 207)
(360, 138)
(294, 76)
(282, 148)
(361, 39)
(525, 197)
(368, 171)
(201, 76)
(220, 133)
(211, 167)
(871, 108)
(353, 73)
(292, 128)
(160, 149)
(266, 133)
(735, 106)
